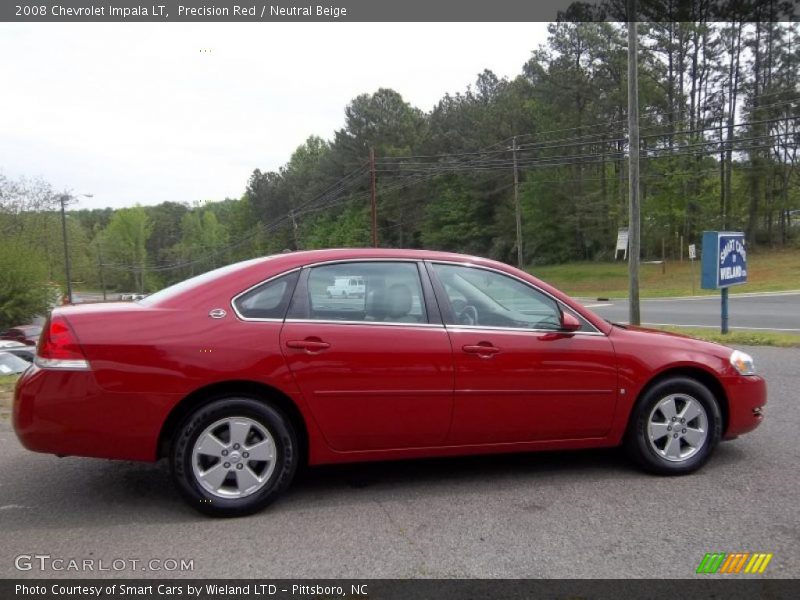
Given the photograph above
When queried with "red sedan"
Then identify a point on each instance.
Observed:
(241, 374)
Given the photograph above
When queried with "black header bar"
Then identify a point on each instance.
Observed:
(197, 11)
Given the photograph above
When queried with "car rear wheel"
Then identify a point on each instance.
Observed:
(234, 456)
(674, 427)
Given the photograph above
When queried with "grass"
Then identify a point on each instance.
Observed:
(767, 272)
(739, 337)
(7, 383)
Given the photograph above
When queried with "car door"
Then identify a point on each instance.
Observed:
(518, 378)
(376, 371)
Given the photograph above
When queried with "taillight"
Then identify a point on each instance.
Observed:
(58, 347)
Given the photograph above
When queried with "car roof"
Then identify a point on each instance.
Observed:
(289, 260)
(252, 270)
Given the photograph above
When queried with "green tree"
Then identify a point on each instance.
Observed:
(24, 288)
(125, 243)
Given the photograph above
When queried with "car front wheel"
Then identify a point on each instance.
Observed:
(234, 456)
(674, 427)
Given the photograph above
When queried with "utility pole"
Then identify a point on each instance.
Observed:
(634, 217)
(374, 199)
(64, 198)
(722, 172)
(294, 229)
(517, 212)
(102, 271)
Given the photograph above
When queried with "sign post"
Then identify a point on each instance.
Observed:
(724, 263)
(692, 257)
(622, 243)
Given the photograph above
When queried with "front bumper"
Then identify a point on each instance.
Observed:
(747, 396)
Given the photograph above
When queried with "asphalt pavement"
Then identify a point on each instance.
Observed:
(770, 311)
(566, 514)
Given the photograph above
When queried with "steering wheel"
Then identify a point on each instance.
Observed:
(458, 304)
(468, 316)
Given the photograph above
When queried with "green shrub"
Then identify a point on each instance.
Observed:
(24, 288)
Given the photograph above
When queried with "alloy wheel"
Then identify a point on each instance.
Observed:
(234, 457)
(677, 427)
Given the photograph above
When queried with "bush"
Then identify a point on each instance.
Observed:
(24, 289)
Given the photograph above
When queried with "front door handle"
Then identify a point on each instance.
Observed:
(482, 349)
(310, 345)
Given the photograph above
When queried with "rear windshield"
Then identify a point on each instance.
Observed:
(168, 293)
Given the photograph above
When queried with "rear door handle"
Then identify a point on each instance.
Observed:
(308, 345)
(483, 349)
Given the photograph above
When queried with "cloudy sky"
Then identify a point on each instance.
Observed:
(136, 113)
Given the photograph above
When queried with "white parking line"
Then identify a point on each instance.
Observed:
(598, 305)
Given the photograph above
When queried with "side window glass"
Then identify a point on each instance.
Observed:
(269, 300)
(387, 292)
(485, 298)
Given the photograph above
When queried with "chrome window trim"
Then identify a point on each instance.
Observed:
(370, 323)
(558, 302)
(251, 288)
(524, 330)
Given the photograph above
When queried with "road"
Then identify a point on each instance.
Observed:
(776, 311)
(573, 514)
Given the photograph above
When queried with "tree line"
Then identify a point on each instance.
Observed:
(719, 106)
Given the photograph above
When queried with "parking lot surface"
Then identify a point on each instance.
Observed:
(570, 514)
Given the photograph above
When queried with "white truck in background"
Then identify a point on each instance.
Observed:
(351, 286)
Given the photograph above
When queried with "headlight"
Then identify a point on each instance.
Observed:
(743, 363)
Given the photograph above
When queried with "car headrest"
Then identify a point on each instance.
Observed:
(375, 306)
(398, 301)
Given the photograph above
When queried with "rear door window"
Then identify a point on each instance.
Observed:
(381, 292)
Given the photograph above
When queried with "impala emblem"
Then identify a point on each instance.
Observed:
(217, 313)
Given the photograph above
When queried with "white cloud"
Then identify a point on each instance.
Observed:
(137, 113)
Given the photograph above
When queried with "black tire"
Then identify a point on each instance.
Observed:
(286, 456)
(637, 439)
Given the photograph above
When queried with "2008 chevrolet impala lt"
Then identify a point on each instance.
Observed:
(241, 374)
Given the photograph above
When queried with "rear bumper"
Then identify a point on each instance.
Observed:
(68, 414)
(747, 397)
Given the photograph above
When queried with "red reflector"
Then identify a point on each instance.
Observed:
(58, 347)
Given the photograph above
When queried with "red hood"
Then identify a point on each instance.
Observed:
(675, 340)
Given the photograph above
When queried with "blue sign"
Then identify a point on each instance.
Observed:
(724, 259)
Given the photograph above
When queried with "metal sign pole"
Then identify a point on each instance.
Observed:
(724, 298)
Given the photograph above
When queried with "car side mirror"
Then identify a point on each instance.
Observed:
(569, 322)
